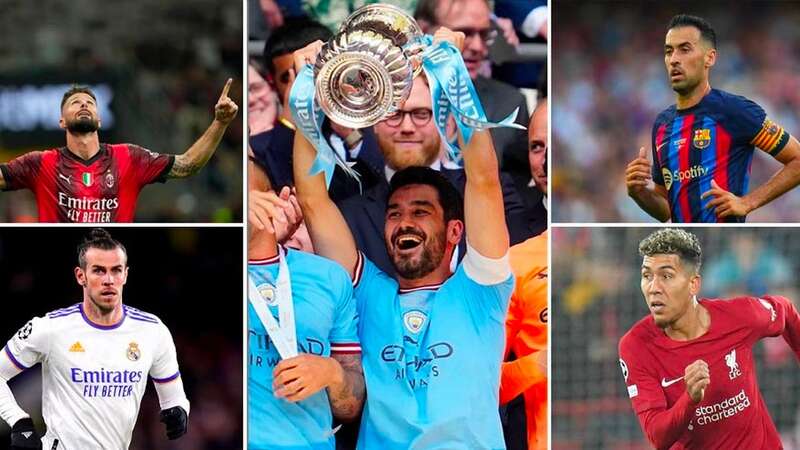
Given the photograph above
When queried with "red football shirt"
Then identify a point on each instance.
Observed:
(101, 189)
(732, 413)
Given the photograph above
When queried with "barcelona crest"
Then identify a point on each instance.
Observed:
(702, 138)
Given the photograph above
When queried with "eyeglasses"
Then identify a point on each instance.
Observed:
(419, 117)
(487, 35)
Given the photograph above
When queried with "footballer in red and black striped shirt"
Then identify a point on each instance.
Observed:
(703, 146)
(87, 181)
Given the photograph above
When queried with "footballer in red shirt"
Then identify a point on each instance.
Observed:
(87, 181)
(688, 366)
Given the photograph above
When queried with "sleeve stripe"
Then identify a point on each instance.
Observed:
(359, 269)
(168, 379)
(19, 365)
(346, 348)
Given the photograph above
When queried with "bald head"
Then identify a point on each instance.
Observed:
(537, 148)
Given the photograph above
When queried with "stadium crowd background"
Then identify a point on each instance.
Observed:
(166, 62)
(610, 83)
(190, 278)
(597, 298)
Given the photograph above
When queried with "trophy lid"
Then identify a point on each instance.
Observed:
(387, 20)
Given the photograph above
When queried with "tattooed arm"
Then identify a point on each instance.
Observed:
(193, 159)
(298, 378)
(347, 396)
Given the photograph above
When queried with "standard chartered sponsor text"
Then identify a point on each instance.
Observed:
(722, 410)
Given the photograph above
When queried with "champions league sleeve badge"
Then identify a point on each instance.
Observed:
(133, 352)
(26, 330)
(413, 320)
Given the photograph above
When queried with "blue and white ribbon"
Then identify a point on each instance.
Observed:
(452, 91)
(308, 117)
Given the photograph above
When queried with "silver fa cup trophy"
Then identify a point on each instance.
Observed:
(364, 73)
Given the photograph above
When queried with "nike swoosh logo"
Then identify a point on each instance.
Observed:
(658, 147)
(665, 383)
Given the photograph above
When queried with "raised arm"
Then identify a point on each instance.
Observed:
(196, 156)
(329, 232)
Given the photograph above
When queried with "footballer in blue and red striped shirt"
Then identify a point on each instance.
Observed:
(86, 181)
(703, 146)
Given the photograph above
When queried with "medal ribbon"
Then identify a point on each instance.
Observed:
(282, 332)
(452, 91)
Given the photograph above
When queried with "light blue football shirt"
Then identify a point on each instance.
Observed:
(431, 358)
(326, 321)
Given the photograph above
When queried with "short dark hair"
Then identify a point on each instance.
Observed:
(706, 31)
(449, 198)
(674, 241)
(294, 34)
(76, 89)
(101, 239)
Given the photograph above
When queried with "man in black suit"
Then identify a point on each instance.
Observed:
(409, 138)
(472, 17)
(273, 149)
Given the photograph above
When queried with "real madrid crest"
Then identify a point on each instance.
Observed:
(702, 138)
(413, 320)
(267, 291)
(133, 351)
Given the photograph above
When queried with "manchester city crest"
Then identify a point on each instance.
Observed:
(133, 352)
(413, 320)
(267, 291)
(702, 138)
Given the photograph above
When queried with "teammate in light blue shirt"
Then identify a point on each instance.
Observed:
(432, 339)
(288, 407)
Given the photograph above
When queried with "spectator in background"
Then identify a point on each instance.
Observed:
(748, 265)
(472, 17)
(273, 149)
(262, 106)
(528, 16)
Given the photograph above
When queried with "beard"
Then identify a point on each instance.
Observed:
(413, 267)
(401, 159)
(83, 125)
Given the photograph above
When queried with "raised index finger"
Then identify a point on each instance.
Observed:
(226, 88)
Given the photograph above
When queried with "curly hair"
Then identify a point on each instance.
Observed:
(673, 241)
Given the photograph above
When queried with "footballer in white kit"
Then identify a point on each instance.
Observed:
(96, 358)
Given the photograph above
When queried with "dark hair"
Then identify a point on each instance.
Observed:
(98, 238)
(294, 34)
(673, 241)
(449, 198)
(75, 89)
(685, 20)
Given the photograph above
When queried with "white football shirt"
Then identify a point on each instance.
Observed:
(93, 376)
